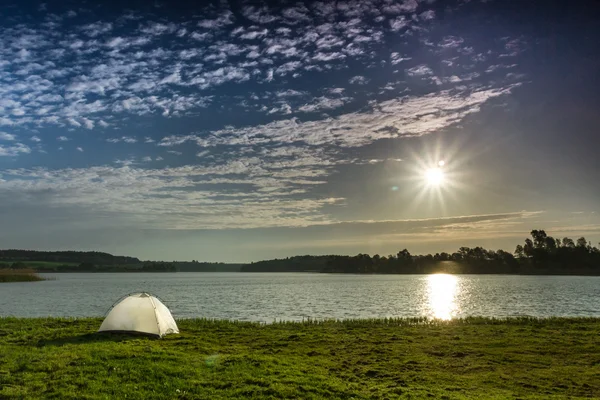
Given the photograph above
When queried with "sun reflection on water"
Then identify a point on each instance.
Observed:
(441, 291)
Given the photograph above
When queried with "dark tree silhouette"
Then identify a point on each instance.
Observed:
(540, 254)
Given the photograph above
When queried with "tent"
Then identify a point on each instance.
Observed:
(140, 312)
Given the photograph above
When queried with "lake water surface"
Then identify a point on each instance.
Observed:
(296, 296)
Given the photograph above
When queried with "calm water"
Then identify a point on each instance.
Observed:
(290, 296)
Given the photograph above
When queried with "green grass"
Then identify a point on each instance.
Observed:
(357, 359)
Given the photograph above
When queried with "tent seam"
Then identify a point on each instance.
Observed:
(155, 316)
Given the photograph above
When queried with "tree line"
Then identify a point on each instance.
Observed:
(541, 254)
(67, 257)
(100, 262)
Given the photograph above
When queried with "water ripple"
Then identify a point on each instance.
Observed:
(295, 296)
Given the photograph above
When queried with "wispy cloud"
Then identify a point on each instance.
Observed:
(412, 116)
(124, 139)
(324, 103)
(358, 80)
(14, 149)
(7, 136)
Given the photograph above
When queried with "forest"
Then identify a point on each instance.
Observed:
(540, 254)
(66, 257)
(93, 261)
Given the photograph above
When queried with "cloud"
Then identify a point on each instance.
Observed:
(284, 83)
(296, 14)
(447, 226)
(451, 42)
(162, 197)
(124, 139)
(174, 140)
(35, 139)
(129, 139)
(358, 80)
(89, 124)
(323, 103)
(283, 108)
(400, 7)
(290, 93)
(398, 23)
(62, 138)
(183, 198)
(80, 149)
(95, 73)
(288, 67)
(157, 28)
(200, 37)
(427, 15)
(419, 70)
(14, 150)
(409, 116)
(396, 58)
(7, 136)
(116, 42)
(97, 28)
(259, 15)
(225, 18)
(254, 34)
(321, 56)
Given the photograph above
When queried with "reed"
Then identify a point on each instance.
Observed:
(19, 275)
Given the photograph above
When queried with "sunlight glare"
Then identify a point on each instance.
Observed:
(442, 291)
(434, 176)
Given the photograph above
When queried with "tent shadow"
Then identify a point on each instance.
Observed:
(96, 337)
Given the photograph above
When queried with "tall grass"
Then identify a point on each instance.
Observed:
(19, 275)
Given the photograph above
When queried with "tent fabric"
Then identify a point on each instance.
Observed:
(140, 312)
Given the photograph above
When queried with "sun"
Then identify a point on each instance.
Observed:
(434, 176)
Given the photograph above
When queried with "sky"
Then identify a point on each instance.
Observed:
(237, 131)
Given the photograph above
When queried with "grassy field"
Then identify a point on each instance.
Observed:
(19, 275)
(364, 359)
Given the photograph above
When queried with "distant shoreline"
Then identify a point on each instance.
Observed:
(318, 272)
(539, 255)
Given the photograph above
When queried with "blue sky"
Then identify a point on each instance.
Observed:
(237, 131)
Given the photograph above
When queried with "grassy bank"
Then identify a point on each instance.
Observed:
(364, 359)
(19, 275)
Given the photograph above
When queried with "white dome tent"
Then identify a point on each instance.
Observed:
(139, 312)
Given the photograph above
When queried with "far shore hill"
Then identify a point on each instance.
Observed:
(540, 255)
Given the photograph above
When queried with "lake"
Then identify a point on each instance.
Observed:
(296, 296)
